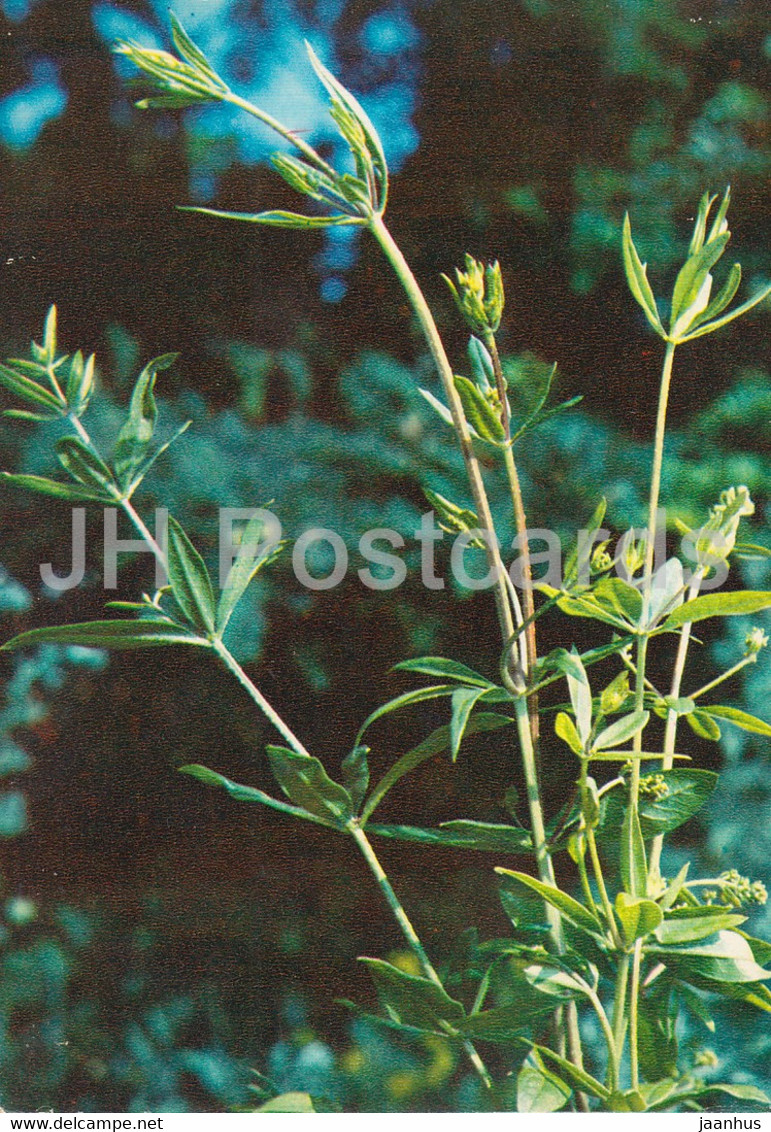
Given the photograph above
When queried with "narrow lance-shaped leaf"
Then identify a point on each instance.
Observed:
(570, 908)
(622, 730)
(108, 635)
(190, 581)
(718, 605)
(86, 466)
(248, 793)
(637, 279)
(254, 552)
(71, 492)
(29, 390)
(374, 144)
(692, 275)
(737, 312)
(463, 701)
(307, 784)
(740, 718)
(434, 744)
(137, 432)
(478, 411)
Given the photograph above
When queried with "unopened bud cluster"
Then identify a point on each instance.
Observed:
(653, 786)
(755, 640)
(478, 293)
(737, 890)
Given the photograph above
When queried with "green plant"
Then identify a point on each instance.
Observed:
(637, 948)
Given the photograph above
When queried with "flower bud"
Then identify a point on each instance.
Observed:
(478, 294)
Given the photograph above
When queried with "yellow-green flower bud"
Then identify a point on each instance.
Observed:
(478, 294)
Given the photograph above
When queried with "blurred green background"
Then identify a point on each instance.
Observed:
(158, 941)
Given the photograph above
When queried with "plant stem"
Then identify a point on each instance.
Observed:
(395, 257)
(722, 678)
(408, 931)
(670, 731)
(619, 1011)
(125, 504)
(653, 504)
(235, 668)
(393, 254)
(600, 879)
(634, 998)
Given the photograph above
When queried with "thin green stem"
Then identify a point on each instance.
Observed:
(235, 668)
(509, 631)
(585, 885)
(634, 999)
(408, 931)
(725, 676)
(619, 1011)
(670, 730)
(607, 907)
(607, 1031)
(419, 305)
(653, 504)
(125, 504)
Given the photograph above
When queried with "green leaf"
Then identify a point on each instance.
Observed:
(29, 390)
(506, 1024)
(689, 789)
(480, 414)
(633, 863)
(718, 605)
(572, 568)
(136, 434)
(306, 783)
(251, 558)
(553, 981)
(462, 834)
(193, 54)
(406, 699)
(673, 890)
(678, 928)
(355, 774)
(444, 669)
(619, 598)
(657, 1031)
(80, 383)
(86, 466)
(581, 1080)
(278, 218)
(439, 740)
(742, 719)
(73, 493)
(737, 312)
(565, 729)
(703, 725)
(288, 1102)
(700, 226)
(413, 999)
(49, 335)
(108, 635)
(23, 415)
(372, 140)
(574, 912)
(723, 297)
(463, 701)
(538, 1089)
(581, 699)
(637, 278)
(190, 581)
(692, 274)
(726, 958)
(250, 793)
(622, 730)
(638, 917)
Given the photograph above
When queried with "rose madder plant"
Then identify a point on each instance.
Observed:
(632, 948)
